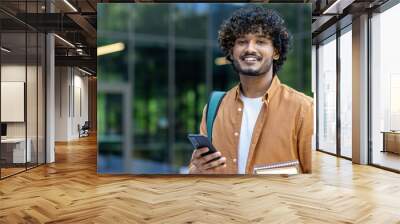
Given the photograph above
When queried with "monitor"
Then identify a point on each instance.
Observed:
(3, 129)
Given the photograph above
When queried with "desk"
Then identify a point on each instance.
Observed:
(16, 147)
(391, 141)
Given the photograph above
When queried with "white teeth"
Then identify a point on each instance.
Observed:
(250, 59)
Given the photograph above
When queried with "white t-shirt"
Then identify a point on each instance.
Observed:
(252, 107)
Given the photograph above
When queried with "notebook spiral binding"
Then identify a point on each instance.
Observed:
(278, 165)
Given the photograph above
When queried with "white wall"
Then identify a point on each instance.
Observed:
(80, 115)
(12, 73)
(61, 103)
(33, 126)
(71, 93)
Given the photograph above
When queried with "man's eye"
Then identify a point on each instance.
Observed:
(241, 42)
(261, 42)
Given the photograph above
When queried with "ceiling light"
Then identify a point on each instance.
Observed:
(111, 48)
(70, 5)
(329, 9)
(84, 71)
(337, 7)
(65, 41)
(5, 50)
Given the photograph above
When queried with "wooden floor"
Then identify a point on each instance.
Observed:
(70, 191)
(10, 171)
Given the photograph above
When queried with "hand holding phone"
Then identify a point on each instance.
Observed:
(205, 157)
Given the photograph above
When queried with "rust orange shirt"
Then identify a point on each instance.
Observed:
(283, 130)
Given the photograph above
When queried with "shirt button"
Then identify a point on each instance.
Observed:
(236, 134)
(239, 109)
(234, 160)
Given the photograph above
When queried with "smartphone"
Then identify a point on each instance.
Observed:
(200, 141)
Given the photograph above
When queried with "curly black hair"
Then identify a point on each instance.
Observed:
(250, 20)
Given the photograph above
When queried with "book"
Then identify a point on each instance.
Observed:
(286, 168)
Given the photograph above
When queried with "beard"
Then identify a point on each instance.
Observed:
(263, 69)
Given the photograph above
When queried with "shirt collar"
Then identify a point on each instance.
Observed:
(268, 94)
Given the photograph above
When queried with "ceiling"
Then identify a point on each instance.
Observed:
(76, 22)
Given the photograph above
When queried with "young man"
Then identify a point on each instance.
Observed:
(260, 121)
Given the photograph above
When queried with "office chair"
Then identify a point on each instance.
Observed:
(84, 130)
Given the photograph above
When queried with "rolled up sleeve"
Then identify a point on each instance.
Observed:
(203, 124)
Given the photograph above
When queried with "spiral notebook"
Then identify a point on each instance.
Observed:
(287, 168)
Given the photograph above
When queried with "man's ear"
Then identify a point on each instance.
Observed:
(276, 55)
(229, 57)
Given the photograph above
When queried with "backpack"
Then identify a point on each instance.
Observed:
(212, 109)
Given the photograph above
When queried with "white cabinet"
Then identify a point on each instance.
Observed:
(18, 146)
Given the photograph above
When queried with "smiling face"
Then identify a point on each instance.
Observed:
(253, 55)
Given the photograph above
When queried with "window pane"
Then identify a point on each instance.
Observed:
(188, 16)
(13, 84)
(118, 12)
(191, 96)
(346, 94)
(152, 149)
(327, 96)
(110, 132)
(385, 84)
(31, 100)
(145, 25)
(113, 67)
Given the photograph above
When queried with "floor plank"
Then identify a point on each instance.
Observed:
(70, 191)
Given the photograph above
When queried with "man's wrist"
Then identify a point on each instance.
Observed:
(192, 169)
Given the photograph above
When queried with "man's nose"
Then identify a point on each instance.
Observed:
(251, 47)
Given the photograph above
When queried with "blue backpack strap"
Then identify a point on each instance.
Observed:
(212, 110)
